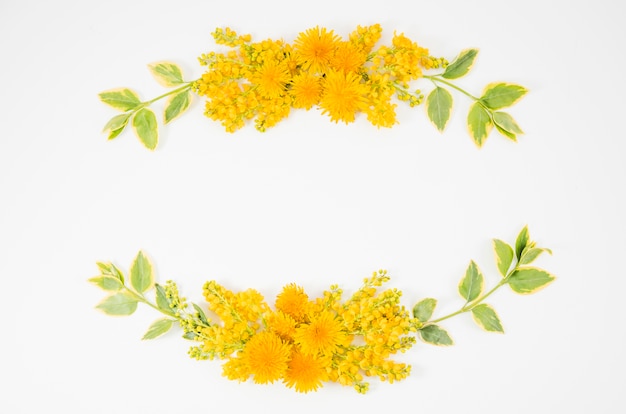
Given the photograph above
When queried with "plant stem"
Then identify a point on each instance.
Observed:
(436, 78)
(471, 305)
(184, 87)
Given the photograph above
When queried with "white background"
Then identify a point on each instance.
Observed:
(311, 202)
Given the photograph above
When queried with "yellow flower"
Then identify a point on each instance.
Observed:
(322, 335)
(315, 47)
(348, 58)
(282, 325)
(293, 301)
(306, 90)
(305, 372)
(343, 96)
(266, 357)
(271, 79)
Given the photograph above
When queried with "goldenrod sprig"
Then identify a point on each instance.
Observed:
(513, 265)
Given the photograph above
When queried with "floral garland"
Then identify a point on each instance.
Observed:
(302, 341)
(263, 81)
(305, 342)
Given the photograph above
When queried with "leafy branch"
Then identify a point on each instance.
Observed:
(124, 298)
(137, 112)
(513, 265)
(485, 112)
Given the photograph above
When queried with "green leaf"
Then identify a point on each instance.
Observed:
(424, 309)
(158, 328)
(504, 256)
(529, 255)
(167, 74)
(106, 282)
(471, 286)
(141, 277)
(176, 105)
(506, 125)
(529, 280)
(479, 123)
(161, 299)
(109, 269)
(116, 125)
(521, 242)
(438, 107)
(433, 334)
(190, 335)
(201, 314)
(461, 65)
(123, 99)
(500, 95)
(119, 304)
(145, 125)
(487, 318)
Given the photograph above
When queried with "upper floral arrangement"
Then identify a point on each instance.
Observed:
(261, 82)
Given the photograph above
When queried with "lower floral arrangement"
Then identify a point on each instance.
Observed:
(305, 342)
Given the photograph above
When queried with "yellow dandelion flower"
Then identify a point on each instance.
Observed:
(348, 58)
(266, 357)
(322, 335)
(315, 47)
(293, 301)
(306, 90)
(343, 96)
(305, 372)
(282, 325)
(271, 79)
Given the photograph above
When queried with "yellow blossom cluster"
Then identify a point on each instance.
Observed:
(305, 342)
(342, 77)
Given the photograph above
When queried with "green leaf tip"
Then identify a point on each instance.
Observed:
(461, 65)
(435, 335)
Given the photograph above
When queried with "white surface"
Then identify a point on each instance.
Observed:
(311, 202)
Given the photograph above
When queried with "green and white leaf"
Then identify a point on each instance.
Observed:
(435, 335)
(471, 286)
(504, 256)
(123, 99)
(176, 105)
(521, 242)
(167, 74)
(141, 276)
(529, 255)
(479, 123)
(461, 65)
(158, 328)
(439, 107)
(423, 310)
(506, 125)
(116, 125)
(501, 95)
(161, 299)
(119, 304)
(106, 282)
(110, 269)
(146, 128)
(487, 318)
(529, 280)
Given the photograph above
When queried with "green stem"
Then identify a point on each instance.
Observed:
(185, 86)
(436, 78)
(471, 305)
(141, 298)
